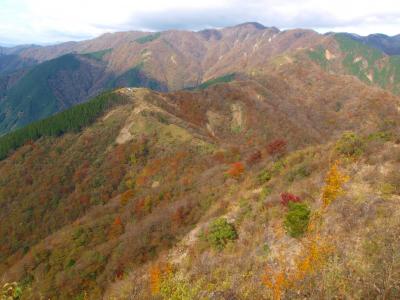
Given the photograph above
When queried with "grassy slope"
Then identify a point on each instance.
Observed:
(98, 55)
(222, 79)
(148, 38)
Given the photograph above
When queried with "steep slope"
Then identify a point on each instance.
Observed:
(348, 56)
(387, 44)
(132, 188)
(48, 88)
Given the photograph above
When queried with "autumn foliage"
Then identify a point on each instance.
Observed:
(125, 197)
(254, 157)
(236, 170)
(333, 184)
(288, 197)
(277, 147)
(117, 228)
(158, 273)
(275, 281)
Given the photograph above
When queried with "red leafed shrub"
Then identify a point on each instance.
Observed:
(288, 197)
(277, 147)
(236, 169)
(254, 157)
(119, 272)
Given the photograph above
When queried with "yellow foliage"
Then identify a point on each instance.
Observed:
(125, 197)
(157, 274)
(315, 252)
(333, 185)
(275, 281)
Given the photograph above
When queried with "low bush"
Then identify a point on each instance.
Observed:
(297, 219)
(350, 144)
(264, 176)
(300, 172)
(236, 170)
(288, 197)
(220, 233)
(277, 148)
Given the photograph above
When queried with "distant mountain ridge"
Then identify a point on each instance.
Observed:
(173, 60)
(388, 44)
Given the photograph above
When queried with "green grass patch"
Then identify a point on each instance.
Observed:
(98, 55)
(222, 79)
(318, 56)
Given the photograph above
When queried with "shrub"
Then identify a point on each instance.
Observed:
(254, 157)
(265, 192)
(300, 172)
(236, 170)
(264, 176)
(220, 233)
(11, 291)
(277, 147)
(297, 219)
(333, 184)
(288, 197)
(350, 144)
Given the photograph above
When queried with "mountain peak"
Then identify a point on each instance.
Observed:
(255, 25)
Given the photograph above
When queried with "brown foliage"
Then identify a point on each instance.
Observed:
(254, 157)
(277, 147)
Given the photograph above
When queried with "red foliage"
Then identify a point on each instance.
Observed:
(254, 157)
(236, 170)
(288, 197)
(119, 272)
(277, 147)
(84, 200)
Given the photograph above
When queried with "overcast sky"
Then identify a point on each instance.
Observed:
(51, 21)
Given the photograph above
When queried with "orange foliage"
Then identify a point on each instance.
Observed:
(157, 274)
(125, 197)
(333, 184)
(315, 252)
(276, 281)
(116, 229)
(236, 170)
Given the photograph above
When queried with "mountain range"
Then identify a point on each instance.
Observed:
(38, 81)
(236, 163)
